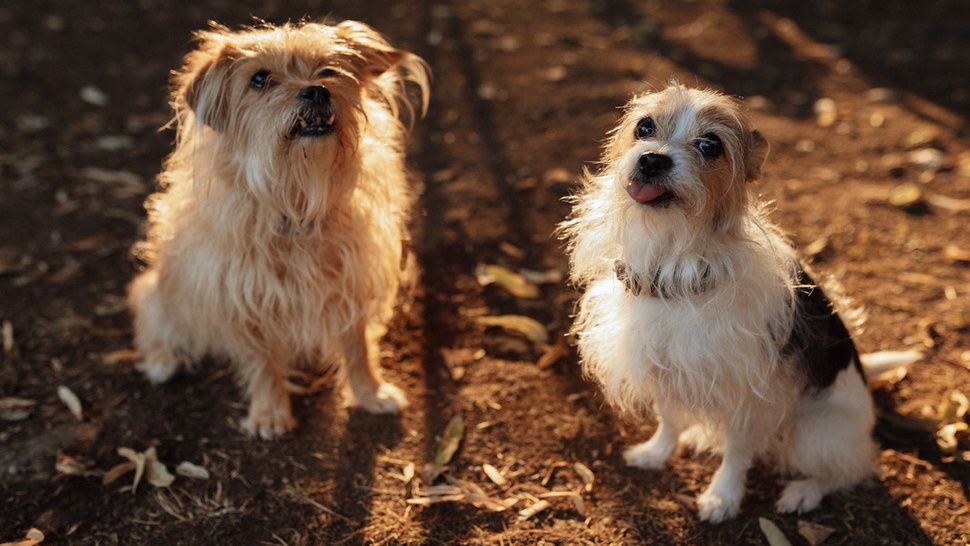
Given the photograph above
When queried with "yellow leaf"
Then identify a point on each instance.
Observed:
(512, 282)
(522, 324)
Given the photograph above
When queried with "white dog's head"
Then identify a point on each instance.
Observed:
(685, 151)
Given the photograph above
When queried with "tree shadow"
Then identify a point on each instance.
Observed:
(786, 79)
(352, 476)
(916, 47)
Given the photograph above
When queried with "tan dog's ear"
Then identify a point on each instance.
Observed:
(202, 84)
(376, 56)
(755, 153)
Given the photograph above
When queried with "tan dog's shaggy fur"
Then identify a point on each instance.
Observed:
(276, 240)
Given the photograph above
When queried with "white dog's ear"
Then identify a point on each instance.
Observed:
(203, 83)
(755, 153)
(375, 55)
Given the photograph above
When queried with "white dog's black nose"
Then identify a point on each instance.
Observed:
(651, 164)
(316, 94)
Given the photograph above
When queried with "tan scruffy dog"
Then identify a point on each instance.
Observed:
(277, 239)
(697, 310)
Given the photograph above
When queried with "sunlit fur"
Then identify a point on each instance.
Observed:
(272, 250)
(710, 361)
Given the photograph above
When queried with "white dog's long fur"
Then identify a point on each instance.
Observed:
(710, 362)
(271, 250)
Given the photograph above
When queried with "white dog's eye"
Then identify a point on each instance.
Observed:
(259, 79)
(710, 146)
(645, 129)
(327, 72)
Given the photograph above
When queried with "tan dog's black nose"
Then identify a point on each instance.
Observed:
(315, 94)
(651, 164)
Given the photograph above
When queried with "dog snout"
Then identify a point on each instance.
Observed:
(651, 164)
(315, 94)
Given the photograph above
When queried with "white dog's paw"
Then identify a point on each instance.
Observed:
(715, 507)
(157, 372)
(800, 496)
(268, 421)
(648, 455)
(387, 399)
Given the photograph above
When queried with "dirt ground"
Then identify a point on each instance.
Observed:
(523, 94)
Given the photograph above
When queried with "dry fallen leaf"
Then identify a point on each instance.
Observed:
(532, 510)
(32, 538)
(156, 473)
(586, 474)
(550, 276)
(814, 533)
(450, 440)
(512, 282)
(93, 95)
(15, 409)
(70, 400)
(816, 247)
(190, 470)
(519, 323)
(951, 204)
(69, 466)
(551, 355)
(138, 459)
(953, 407)
(9, 346)
(826, 112)
(121, 355)
(456, 491)
(773, 533)
(885, 368)
(446, 448)
(906, 195)
(494, 474)
(956, 254)
(946, 437)
(116, 472)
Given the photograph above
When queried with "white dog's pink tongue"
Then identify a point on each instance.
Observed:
(644, 193)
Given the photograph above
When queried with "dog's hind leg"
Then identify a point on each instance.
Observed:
(366, 389)
(156, 336)
(832, 445)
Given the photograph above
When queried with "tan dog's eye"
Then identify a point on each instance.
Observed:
(645, 129)
(259, 80)
(327, 73)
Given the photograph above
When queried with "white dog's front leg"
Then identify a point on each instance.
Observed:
(722, 499)
(654, 453)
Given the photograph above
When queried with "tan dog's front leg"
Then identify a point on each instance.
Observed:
(366, 389)
(270, 414)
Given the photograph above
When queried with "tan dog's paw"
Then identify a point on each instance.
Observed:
(387, 399)
(268, 421)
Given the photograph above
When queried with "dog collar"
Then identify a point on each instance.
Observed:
(634, 284)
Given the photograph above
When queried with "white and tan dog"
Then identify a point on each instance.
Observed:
(696, 308)
(276, 240)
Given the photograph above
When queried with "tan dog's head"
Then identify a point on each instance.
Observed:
(685, 151)
(287, 104)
